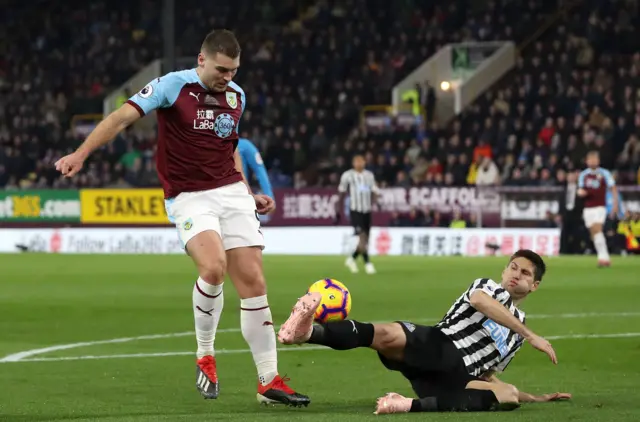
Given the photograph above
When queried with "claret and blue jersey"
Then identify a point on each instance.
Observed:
(197, 131)
(596, 182)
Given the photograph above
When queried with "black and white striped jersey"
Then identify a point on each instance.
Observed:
(360, 186)
(485, 345)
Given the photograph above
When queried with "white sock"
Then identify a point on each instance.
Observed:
(257, 329)
(208, 301)
(600, 243)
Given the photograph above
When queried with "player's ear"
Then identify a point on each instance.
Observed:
(201, 59)
(534, 286)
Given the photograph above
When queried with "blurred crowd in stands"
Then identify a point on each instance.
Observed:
(308, 68)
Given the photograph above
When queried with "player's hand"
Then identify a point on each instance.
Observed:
(70, 164)
(264, 204)
(554, 397)
(582, 192)
(544, 346)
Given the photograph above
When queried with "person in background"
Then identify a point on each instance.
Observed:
(627, 236)
(571, 206)
(593, 184)
(457, 220)
(252, 160)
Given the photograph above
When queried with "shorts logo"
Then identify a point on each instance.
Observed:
(146, 91)
(223, 125)
(187, 224)
(232, 99)
(409, 326)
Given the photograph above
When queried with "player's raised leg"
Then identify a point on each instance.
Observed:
(389, 339)
(207, 252)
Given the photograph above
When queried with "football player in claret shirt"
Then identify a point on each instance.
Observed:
(208, 199)
(593, 184)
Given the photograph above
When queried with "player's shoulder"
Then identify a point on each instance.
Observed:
(484, 283)
(484, 280)
(234, 86)
(179, 78)
(168, 86)
(604, 171)
(585, 171)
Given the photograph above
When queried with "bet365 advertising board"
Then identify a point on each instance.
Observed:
(26, 206)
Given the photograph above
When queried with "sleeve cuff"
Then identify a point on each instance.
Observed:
(137, 107)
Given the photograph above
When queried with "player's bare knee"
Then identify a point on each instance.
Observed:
(506, 393)
(388, 337)
(212, 271)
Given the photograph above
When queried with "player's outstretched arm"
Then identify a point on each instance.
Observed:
(524, 397)
(493, 309)
(103, 133)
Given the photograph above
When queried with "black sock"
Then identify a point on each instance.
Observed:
(469, 400)
(343, 335)
(426, 404)
(365, 256)
(355, 254)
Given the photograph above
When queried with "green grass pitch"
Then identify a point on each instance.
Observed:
(49, 300)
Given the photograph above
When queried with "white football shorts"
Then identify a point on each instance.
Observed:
(229, 210)
(594, 215)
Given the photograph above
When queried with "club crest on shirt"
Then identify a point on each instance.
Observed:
(187, 224)
(232, 99)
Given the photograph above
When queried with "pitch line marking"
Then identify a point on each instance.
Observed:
(288, 349)
(19, 356)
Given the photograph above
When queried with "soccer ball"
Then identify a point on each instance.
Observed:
(336, 300)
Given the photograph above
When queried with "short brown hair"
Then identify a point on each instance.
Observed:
(221, 41)
(538, 263)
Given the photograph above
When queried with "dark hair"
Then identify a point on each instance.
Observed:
(593, 152)
(221, 41)
(535, 259)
